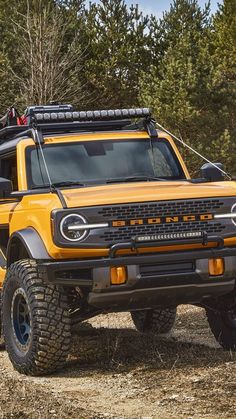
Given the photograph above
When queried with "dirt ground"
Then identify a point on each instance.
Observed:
(114, 372)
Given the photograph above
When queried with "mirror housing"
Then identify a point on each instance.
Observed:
(211, 173)
(5, 188)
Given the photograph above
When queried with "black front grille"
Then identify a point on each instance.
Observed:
(158, 209)
(161, 209)
(127, 233)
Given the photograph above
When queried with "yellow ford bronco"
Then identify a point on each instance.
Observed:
(99, 214)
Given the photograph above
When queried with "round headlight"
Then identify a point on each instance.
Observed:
(72, 221)
(233, 209)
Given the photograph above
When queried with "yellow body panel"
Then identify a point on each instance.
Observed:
(2, 276)
(146, 191)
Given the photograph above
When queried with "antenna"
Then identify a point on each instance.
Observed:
(37, 136)
(194, 151)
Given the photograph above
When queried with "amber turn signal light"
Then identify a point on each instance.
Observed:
(216, 267)
(118, 275)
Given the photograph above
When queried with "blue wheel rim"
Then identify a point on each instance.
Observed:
(21, 319)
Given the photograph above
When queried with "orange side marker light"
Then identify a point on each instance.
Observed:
(216, 267)
(118, 275)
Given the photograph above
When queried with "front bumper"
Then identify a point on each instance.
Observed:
(160, 279)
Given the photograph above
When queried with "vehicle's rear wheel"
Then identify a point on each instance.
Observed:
(36, 323)
(154, 321)
(223, 327)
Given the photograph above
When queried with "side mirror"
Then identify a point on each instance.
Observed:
(5, 187)
(211, 173)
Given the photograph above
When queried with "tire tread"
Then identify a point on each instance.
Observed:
(155, 321)
(224, 334)
(50, 320)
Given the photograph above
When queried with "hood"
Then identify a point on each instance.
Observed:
(146, 191)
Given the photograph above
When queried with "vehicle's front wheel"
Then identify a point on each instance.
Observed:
(36, 323)
(1, 335)
(223, 326)
(154, 321)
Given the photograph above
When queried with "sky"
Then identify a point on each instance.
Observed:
(157, 7)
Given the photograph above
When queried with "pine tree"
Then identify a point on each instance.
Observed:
(115, 54)
(183, 65)
(8, 89)
(224, 81)
(180, 88)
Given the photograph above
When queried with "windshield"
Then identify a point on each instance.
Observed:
(103, 161)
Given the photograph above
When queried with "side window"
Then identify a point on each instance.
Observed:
(8, 169)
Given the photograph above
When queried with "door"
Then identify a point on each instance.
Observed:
(8, 170)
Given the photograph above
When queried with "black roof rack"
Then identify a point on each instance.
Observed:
(9, 133)
(54, 119)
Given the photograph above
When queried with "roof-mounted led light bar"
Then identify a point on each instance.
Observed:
(48, 108)
(62, 118)
(73, 116)
(32, 111)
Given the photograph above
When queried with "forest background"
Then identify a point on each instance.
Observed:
(110, 55)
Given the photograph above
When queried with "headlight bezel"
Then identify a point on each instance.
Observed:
(85, 231)
(233, 209)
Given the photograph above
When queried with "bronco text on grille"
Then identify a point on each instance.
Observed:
(129, 220)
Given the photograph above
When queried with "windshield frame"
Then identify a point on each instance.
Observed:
(30, 184)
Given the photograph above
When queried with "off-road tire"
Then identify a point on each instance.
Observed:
(2, 346)
(50, 330)
(154, 321)
(223, 328)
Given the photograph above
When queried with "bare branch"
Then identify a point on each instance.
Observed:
(49, 70)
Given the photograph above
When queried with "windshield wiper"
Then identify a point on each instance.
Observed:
(59, 184)
(134, 179)
(67, 183)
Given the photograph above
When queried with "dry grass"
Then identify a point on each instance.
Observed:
(114, 372)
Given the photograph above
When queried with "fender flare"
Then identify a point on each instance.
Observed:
(31, 241)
